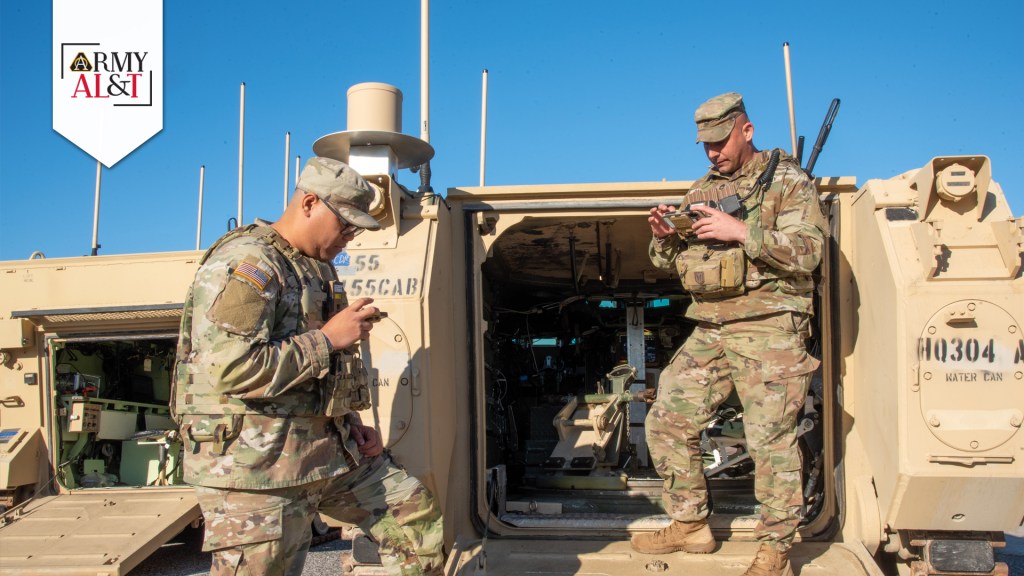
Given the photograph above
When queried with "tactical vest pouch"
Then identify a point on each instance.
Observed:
(346, 387)
(359, 395)
(712, 271)
(178, 382)
(336, 385)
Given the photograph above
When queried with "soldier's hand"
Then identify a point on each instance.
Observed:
(367, 439)
(659, 227)
(351, 324)
(717, 225)
(648, 395)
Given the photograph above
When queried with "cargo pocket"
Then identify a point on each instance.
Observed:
(241, 528)
(795, 323)
(779, 365)
(785, 375)
(785, 492)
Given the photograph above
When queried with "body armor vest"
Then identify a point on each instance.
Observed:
(714, 269)
(342, 390)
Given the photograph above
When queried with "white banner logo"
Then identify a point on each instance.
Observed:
(108, 74)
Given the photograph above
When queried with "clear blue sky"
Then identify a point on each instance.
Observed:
(589, 91)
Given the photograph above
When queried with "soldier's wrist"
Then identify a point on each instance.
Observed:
(663, 243)
(663, 240)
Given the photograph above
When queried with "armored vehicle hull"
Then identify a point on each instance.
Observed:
(522, 324)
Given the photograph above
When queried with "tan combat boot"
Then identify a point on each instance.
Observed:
(770, 562)
(692, 537)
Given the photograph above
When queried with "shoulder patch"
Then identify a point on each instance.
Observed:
(239, 308)
(251, 274)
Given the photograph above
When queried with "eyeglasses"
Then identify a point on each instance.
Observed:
(349, 228)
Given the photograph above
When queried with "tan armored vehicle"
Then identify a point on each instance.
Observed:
(522, 322)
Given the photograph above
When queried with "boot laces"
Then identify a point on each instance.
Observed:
(767, 562)
(673, 531)
(665, 533)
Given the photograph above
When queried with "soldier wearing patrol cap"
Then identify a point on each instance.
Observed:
(267, 384)
(749, 272)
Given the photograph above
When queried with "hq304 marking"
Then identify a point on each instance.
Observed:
(971, 352)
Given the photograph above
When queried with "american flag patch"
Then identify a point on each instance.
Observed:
(252, 274)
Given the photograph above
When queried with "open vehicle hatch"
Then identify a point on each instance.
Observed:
(95, 532)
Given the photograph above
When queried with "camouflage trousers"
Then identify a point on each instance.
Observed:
(764, 360)
(256, 532)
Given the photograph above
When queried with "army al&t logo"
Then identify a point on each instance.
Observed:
(108, 74)
(115, 75)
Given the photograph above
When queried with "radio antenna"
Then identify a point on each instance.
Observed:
(483, 128)
(789, 96)
(287, 154)
(199, 224)
(425, 70)
(96, 212)
(241, 149)
(826, 127)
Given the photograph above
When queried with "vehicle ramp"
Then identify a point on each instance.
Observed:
(96, 532)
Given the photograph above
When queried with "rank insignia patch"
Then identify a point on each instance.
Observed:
(252, 274)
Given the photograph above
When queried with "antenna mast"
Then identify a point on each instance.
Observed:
(789, 95)
(241, 149)
(96, 212)
(425, 70)
(483, 128)
(199, 225)
(287, 154)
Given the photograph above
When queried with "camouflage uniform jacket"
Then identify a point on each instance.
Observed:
(249, 379)
(785, 239)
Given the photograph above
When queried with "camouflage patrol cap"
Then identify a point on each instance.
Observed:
(341, 188)
(716, 117)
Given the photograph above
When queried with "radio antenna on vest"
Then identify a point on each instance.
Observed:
(826, 127)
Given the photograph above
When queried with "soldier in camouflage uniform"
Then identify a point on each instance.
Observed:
(750, 279)
(267, 382)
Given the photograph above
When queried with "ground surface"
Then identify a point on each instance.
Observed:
(184, 557)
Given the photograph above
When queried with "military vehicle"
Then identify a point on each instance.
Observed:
(524, 324)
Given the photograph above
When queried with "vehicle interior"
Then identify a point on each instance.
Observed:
(111, 401)
(577, 324)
